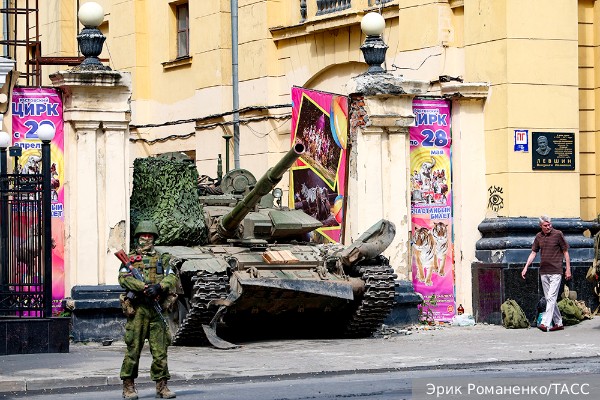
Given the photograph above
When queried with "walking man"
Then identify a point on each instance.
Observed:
(554, 248)
(143, 320)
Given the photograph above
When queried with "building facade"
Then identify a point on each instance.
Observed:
(507, 67)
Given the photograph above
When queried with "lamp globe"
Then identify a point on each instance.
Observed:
(4, 139)
(372, 24)
(91, 14)
(46, 132)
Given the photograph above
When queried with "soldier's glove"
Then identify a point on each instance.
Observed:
(153, 291)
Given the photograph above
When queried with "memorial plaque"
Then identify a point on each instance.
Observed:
(553, 151)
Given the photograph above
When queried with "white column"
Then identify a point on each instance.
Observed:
(97, 114)
(116, 183)
(380, 184)
(380, 160)
(84, 203)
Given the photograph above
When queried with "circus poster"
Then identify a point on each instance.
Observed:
(318, 179)
(31, 108)
(431, 207)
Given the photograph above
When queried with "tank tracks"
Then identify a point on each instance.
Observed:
(206, 287)
(377, 300)
(370, 311)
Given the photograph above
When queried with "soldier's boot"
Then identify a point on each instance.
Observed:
(129, 391)
(162, 391)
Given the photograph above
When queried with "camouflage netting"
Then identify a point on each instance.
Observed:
(166, 192)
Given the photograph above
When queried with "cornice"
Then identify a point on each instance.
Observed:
(465, 90)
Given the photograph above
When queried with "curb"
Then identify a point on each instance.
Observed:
(44, 384)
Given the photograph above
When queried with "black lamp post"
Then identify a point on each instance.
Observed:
(374, 48)
(90, 39)
(46, 134)
(4, 143)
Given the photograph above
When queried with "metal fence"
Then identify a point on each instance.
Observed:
(331, 6)
(22, 292)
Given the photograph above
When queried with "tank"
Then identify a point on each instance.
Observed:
(260, 271)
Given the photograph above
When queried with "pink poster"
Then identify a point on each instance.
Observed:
(318, 179)
(431, 206)
(31, 108)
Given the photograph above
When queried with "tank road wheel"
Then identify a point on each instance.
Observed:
(207, 287)
(377, 301)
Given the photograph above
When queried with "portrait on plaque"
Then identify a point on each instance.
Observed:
(543, 149)
(554, 151)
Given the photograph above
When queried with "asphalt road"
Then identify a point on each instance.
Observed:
(566, 379)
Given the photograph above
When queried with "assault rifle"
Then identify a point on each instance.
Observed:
(122, 256)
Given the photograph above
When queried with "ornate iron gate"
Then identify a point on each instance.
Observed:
(22, 290)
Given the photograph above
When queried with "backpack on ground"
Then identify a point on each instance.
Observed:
(570, 312)
(513, 316)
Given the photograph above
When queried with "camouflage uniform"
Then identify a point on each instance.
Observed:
(143, 321)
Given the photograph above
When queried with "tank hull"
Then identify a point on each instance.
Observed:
(300, 296)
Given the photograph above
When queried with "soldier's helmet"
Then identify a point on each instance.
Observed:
(146, 226)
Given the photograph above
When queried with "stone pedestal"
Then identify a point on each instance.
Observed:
(97, 115)
(96, 313)
(502, 252)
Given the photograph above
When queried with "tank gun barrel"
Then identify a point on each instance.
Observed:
(229, 222)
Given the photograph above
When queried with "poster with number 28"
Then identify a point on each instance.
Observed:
(431, 207)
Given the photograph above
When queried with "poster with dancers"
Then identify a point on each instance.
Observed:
(318, 179)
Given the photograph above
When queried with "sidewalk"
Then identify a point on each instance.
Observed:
(96, 365)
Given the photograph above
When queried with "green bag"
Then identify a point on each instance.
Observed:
(592, 272)
(513, 316)
(570, 312)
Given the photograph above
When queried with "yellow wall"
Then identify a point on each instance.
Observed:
(539, 56)
(534, 74)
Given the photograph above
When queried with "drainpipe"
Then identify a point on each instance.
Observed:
(5, 27)
(235, 83)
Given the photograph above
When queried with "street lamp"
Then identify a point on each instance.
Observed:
(4, 143)
(374, 48)
(90, 39)
(46, 133)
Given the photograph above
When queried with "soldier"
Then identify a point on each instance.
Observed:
(143, 321)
